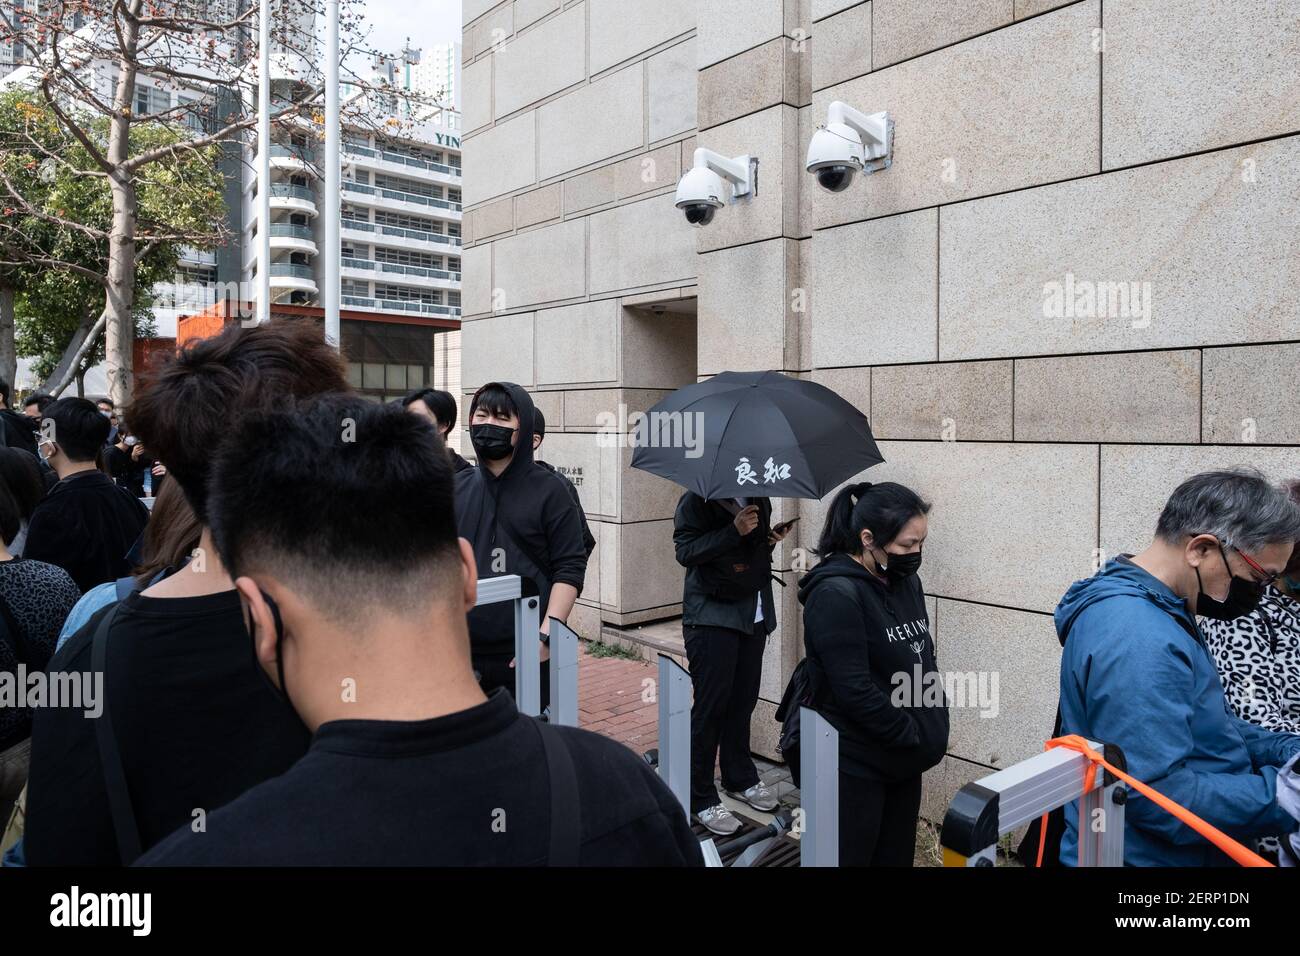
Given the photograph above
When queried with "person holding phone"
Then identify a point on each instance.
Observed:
(727, 612)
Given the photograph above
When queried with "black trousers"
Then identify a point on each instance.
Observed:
(494, 671)
(878, 821)
(726, 667)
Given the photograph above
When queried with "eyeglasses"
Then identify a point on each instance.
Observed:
(1267, 579)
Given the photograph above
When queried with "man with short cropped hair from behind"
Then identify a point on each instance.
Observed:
(194, 720)
(357, 603)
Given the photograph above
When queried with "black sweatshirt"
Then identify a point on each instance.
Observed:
(467, 789)
(86, 525)
(196, 719)
(544, 538)
(868, 639)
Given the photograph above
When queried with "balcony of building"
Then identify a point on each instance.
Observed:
(288, 276)
(386, 161)
(361, 194)
(417, 239)
(417, 276)
(293, 197)
(294, 159)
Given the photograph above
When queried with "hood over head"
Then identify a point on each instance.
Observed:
(523, 454)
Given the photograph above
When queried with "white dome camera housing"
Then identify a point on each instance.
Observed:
(700, 194)
(713, 182)
(835, 155)
(851, 142)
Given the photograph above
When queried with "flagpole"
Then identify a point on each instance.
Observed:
(264, 163)
(330, 287)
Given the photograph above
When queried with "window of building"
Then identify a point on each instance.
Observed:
(405, 257)
(403, 293)
(149, 99)
(403, 185)
(403, 221)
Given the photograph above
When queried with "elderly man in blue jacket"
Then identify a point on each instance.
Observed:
(1135, 671)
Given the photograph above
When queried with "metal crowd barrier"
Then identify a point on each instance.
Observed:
(816, 822)
(563, 646)
(984, 811)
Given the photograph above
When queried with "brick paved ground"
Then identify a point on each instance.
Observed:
(611, 701)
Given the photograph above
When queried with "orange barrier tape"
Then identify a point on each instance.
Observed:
(1227, 844)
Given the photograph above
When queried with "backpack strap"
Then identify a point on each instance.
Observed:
(119, 797)
(501, 523)
(566, 806)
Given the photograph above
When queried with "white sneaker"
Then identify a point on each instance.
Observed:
(719, 820)
(759, 796)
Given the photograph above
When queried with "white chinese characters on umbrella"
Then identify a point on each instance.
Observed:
(772, 472)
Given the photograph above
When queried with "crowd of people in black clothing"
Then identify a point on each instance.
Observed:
(291, 665)
(288, 666)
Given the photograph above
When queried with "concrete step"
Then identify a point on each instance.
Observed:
(648, 640)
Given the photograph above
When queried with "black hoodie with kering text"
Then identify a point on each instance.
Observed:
(871, 642)
(521, 522)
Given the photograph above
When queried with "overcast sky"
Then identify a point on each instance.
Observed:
(426, 22)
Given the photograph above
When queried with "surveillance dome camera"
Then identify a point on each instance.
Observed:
(712, 182)
(700, 194)
(849, 143)
(834, 155)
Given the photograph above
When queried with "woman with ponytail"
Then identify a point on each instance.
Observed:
(867, 633)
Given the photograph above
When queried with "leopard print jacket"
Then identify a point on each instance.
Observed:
(1258, 658)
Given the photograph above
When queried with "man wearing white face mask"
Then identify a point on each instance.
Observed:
(86, 524)
(123, 464)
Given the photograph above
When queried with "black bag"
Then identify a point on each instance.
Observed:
(804, 690)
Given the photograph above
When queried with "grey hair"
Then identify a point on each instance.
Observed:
(1239, 506)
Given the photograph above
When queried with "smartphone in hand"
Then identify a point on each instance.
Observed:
(785, 526)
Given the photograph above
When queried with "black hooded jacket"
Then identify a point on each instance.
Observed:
(524, 523)
(588, 539)
(18, 430)
(870, 641)
(86, 525)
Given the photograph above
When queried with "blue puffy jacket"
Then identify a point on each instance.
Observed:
(1135, 671)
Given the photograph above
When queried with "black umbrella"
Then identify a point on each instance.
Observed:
(755, 434)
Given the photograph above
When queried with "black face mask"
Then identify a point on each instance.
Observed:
(492, 442)
(900, 565)
(1243, 596)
